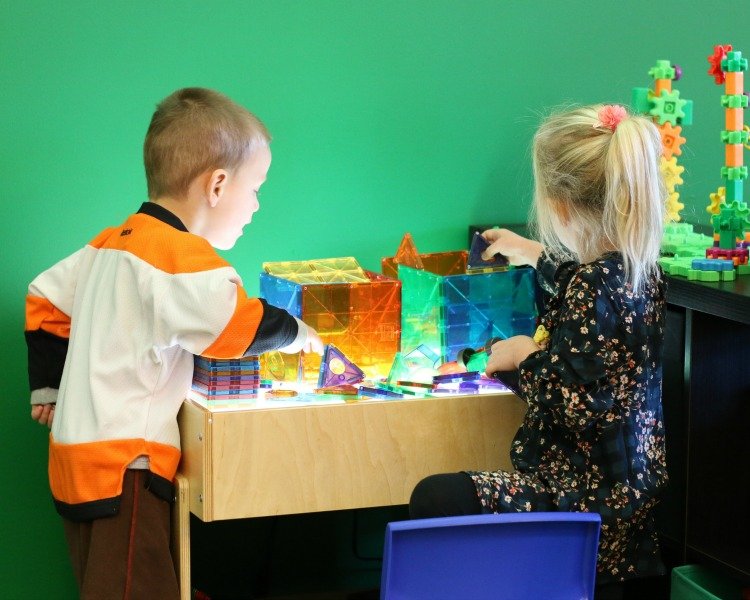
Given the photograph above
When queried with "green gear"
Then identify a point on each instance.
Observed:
(668, 107)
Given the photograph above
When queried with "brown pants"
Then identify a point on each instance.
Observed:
(125, 557)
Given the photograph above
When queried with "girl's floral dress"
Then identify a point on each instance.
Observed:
(592, 439)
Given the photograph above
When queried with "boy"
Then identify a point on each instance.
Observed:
(125, 315)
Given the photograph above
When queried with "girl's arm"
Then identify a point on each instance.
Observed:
(572, 379)
(517, 249)
(552, 272)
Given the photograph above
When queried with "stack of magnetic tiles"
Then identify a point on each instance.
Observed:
(472, 382)
(225, 381)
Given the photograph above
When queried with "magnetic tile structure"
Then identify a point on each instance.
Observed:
(360, 316)
(447, 309)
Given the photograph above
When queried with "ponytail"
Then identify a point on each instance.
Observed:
(605, 177)
(634, 197)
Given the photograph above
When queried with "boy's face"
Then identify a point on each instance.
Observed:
(239, 201)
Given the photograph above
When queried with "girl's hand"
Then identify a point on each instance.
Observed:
(44, 413)
(518, 249)
(508, 354)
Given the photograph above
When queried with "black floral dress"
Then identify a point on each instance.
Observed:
(592, 439)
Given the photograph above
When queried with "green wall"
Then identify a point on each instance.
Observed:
(387, 116)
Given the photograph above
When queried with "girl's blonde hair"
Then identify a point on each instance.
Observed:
(606, 183)
(194, 130)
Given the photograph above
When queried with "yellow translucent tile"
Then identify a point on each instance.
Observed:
(326, 270)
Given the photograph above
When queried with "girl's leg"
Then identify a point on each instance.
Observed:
(444, 495)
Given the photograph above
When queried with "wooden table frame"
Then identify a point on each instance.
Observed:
(243, 463)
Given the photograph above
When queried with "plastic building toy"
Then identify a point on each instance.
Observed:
(509, 379)
(407, 253)
(447, 263)
(376, 392)
(326, 270)
(471, 382)
(339, 390)
(414, 384)
(671, 140)
(447, 308)
(729, 213)
(273, 394)
(420, 365)
(456, 377)
(475, 359)
(337, 370)
(670, 113)
(541, 335)
(403, 390)
(481, 385)
(361, 318)
(680, 240)
(728, 67)
(475, 261)
(219, 382)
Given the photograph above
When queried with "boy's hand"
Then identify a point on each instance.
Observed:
(313, 343)
(518, 249)
(508, 354)
(44, 413)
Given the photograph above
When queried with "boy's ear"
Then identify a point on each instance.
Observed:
(215, 186)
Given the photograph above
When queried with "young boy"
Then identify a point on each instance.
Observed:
(125, 315)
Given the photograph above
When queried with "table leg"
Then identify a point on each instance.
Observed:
(181, 535)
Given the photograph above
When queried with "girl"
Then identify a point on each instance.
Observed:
(593, 436)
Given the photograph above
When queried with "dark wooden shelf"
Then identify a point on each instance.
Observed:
(725, 299)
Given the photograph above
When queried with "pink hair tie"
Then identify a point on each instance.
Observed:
(610, 116)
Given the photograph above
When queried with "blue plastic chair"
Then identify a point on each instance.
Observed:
(520, 556)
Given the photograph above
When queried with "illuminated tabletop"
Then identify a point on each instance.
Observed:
(287, 457)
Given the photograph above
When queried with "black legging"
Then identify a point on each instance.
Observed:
(444, 495)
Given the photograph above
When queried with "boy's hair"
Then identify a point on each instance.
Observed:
(194, 130)
(609, 184)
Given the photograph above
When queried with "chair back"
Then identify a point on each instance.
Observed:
(520, 556)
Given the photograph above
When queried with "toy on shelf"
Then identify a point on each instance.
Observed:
(446, 308)
(729, 211)
(670, 113)
(727, 253)
(360, 315)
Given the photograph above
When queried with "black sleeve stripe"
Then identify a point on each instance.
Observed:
(46, 359)
(277, 329)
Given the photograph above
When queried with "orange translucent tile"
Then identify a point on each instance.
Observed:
(407, 253)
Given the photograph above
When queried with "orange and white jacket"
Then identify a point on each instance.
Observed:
(125, 315)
